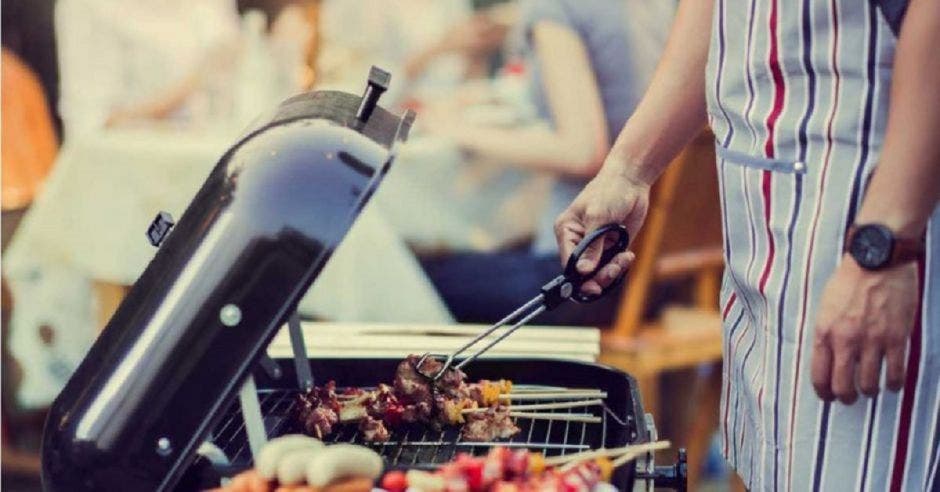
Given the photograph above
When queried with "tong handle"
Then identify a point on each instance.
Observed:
(571, 268)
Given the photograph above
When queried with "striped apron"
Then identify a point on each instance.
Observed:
(797, 99)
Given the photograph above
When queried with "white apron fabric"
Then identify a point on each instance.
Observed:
(798, 98)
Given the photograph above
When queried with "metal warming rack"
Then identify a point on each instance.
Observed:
(621, 418)
(416, 446)
(177, 391)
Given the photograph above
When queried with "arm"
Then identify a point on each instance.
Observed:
(577, 144)
(671, 113)
(157, 106)
(905, 189)
(89, 67)
(91, 64)
(868, 316)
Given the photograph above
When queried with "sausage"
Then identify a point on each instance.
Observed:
(360, 484)
(295, 488)
(292, 467)
(343, 461)
(271, 454)
(425, 481)
(248, 481)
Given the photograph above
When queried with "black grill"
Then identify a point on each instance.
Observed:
(418, 446)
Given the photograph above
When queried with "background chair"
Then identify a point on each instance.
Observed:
(29, 146)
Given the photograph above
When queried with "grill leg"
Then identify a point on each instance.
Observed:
(299, 347)
(251, 413)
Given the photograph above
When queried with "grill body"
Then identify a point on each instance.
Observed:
(227, 277)
(418, 446)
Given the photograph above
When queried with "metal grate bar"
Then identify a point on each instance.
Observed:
(418, 446)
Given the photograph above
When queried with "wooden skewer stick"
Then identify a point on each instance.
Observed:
(627, 457)
(543, 406)
(597, 453)
(560, 417)
(552, 389)
(564, 395)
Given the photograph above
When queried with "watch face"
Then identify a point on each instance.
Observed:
(871, 246)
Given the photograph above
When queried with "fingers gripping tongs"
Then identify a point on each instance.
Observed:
(566, 286)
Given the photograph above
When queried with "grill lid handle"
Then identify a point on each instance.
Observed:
(376, 86)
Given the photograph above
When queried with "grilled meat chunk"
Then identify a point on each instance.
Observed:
(373, 430)
(494, 423)
(414, 398)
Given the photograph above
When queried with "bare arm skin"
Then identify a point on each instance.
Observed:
(158, 106)
(577, 143)
(670, 114)
(866, 317)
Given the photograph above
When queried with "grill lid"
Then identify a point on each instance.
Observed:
(225, 279)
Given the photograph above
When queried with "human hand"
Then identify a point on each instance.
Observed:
(864, 317)
(611, 197)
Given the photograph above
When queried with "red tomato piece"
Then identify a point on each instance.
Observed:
(395, 481)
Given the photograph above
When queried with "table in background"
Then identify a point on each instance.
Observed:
(106, 189)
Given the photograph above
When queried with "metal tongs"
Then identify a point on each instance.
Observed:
(566, 286)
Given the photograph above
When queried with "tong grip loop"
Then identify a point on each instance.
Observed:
(571, 267)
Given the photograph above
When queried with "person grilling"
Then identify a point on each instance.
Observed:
(826, 115)
(589, 63)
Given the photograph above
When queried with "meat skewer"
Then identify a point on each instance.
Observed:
(561, 395)
(561, 417)
(485, 409)
(503, 469)
(618, 452)
(553, 389)
(547, 406)
(412, 398)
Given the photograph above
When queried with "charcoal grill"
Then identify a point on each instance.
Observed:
(177, 390)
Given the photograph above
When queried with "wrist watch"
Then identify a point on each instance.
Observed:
(875, 247)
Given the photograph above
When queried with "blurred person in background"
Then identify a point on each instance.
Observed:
(123, 61)
(430, 45)
(589, 63)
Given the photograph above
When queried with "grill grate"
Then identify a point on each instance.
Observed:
(418, 446)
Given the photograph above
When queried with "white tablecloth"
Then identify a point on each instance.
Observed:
(90, 222)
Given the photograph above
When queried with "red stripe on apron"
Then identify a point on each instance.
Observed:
(766, 180)
(910, 390)
(728, 305)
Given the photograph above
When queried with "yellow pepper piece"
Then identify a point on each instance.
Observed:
(453, 413)
(505, 386)
(490, 393)
(606, 466)
(536, 463)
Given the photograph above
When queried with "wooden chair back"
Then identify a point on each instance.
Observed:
(29, 144)
(682, 234)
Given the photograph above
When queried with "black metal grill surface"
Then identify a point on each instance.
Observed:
(418, 446)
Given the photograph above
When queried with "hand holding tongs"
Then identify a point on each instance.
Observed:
(560, 289)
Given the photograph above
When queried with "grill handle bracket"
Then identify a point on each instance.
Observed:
(251, 412)
(674, 477)
(299, 348)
